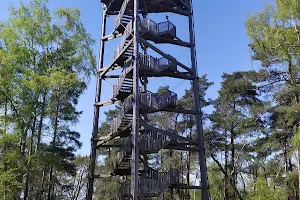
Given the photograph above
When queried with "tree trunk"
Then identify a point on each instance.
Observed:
(53, 146)
(226, 170)
(296, 100)
(41, 190)
(244, 183)
(232, 144)
(40, 126)
(233, 172)
(28, 165)
(230, 179)
(4, 147)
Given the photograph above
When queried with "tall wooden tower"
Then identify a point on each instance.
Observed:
(138, 138)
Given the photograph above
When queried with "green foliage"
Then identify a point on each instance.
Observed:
(275, 41)
(216, 182)
(265, 191)
(46, 62)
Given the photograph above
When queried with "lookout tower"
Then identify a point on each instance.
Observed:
(138, 33)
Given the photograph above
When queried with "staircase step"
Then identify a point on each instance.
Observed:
(127, 83)
(127, 80)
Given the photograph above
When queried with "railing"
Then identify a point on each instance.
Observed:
(158, 29)
(149, 25)
(147, 101)
(166, 27)
(157, 64)
(148, 61)
(155, 187)
(168, 178)
(151, 141)
(151, 187)
(169, 98)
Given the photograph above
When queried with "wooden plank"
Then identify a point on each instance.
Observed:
(187, 187)
(107, 103)
(181, 110)
(111, 36)
(182, 148)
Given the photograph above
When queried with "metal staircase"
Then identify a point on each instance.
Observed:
(151, 140)
(124, 85)
(124, 16)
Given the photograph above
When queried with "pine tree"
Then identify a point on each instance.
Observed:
(275, 43)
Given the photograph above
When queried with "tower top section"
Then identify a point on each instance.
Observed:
(151, 6)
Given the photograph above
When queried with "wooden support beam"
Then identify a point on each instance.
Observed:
(187, 187)
(181, 110)
(198, 116)
(111, 36)
(176, 42)
(107, 103)
(182, 148)
(135, 104)
(186, 4)
(111, 76)
(109, 146)
(146, 43)
(103, 141)
(164, 74)
(93, 154)
(102, 176)
(168, 133)
(180, 12)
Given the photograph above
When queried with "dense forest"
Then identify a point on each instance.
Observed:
(252, 134)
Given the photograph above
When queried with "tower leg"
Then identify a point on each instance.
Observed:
(136, 118)
(93, 156)
(202, 161)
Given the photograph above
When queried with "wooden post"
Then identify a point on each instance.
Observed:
(136, 116)
(202, 161)
(93, 156)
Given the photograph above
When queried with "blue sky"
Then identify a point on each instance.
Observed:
(222, 46)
